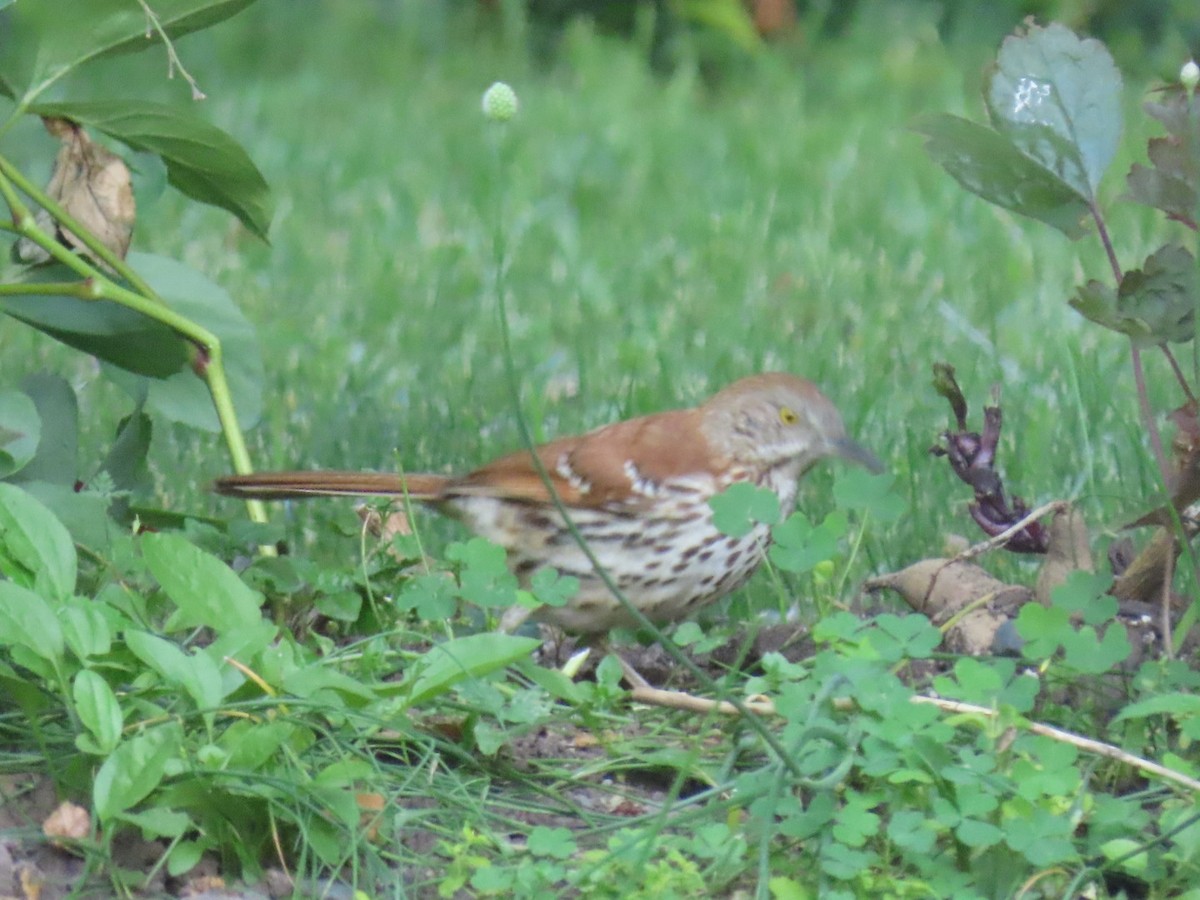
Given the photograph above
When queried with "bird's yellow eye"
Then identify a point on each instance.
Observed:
(788, 416)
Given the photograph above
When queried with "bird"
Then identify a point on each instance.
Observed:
(637, 492)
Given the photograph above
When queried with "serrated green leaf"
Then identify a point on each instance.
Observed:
(20, 432)
(98, 710)
(184, 397)
(134, 769)
(36, 549)
(1153, 305)
(202, 161)
(205, 590)
(1058, 98)
(1170, 182)
(988, 164)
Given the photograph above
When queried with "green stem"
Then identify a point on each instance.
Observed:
(95, 285)
(94, 244)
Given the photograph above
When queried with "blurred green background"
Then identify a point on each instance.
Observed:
(682, 205)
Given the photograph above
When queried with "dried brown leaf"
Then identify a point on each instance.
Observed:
(942, 589)
(67, 821)
(93, 185)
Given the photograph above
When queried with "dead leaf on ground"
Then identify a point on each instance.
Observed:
(67, 821)
(93, 185)
(943, 589)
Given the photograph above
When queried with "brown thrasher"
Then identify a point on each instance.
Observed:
(637, 492)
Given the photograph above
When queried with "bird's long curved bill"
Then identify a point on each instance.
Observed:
(852, 451)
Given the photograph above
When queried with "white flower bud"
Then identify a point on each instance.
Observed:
(1189, 75)
(500, 102)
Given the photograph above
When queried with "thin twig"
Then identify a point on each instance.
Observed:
(1087, 744)
(173, 61)
(1003, 537)
(765, 707)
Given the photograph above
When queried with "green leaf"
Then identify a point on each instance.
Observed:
(56, 458)
(556, 842)
(1086, 593)
(84, 627)
(1058, 98)
(196, 673)
(552, 589)
(741, 507)
(85, 514)
(1176, 704)
(35, 548)
(52, 43)
(1042, 629)
(1153, 305)
(99, 712)
(978, 834)
(158, 822)
(183, 397)
(20, 432)
(431, 595)
(134, 769)
(206, 590)
(341, 606)
(859, 489)
(988, 164)
(474, 656)
(126, 459)
(105, 329)
(484, 578)
(1170, 183)
(26, 620)
(903, 637)
(1085, 653)
(202, 161)
(799, 545)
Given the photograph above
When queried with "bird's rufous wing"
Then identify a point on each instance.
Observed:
(619, 464)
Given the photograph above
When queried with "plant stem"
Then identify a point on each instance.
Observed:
(64, 218)
(95, 285)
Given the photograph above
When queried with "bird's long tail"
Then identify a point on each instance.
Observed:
(298, 485)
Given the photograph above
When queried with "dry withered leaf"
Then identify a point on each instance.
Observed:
(67, 821)
(93, 185)
(943, 588)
